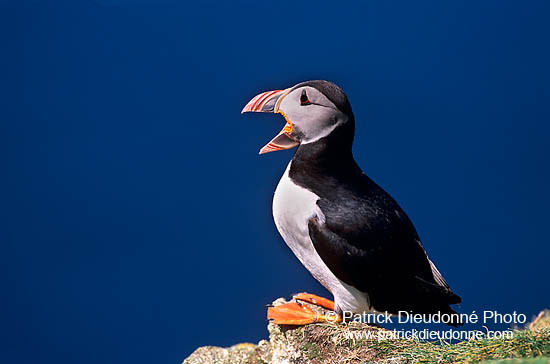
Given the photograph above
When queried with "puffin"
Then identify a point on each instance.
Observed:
(347, 231)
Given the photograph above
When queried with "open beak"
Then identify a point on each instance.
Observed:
(269, 102)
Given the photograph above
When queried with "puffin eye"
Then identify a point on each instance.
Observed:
(303, 99)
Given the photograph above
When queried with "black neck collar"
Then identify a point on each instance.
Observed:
(330, 151)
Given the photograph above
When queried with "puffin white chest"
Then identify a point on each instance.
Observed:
(293, 207)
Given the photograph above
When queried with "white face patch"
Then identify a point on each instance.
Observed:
(315, 120)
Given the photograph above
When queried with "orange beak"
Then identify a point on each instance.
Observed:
(269, 102)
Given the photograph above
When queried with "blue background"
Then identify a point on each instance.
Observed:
(136, 213)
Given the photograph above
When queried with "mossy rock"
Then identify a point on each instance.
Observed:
(325, 343)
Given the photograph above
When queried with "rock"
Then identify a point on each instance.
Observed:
(212, 354)
(289, 345)
(327, 343)
(542, 321)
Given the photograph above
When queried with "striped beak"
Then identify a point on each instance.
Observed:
(269, 102)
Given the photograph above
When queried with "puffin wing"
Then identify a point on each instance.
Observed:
(373, 246)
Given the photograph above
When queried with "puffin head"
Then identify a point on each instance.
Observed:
(313, 110)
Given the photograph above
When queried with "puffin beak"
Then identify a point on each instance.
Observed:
(269, 102)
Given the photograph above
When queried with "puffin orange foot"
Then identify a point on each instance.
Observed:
(294, 313)
(315, 300)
